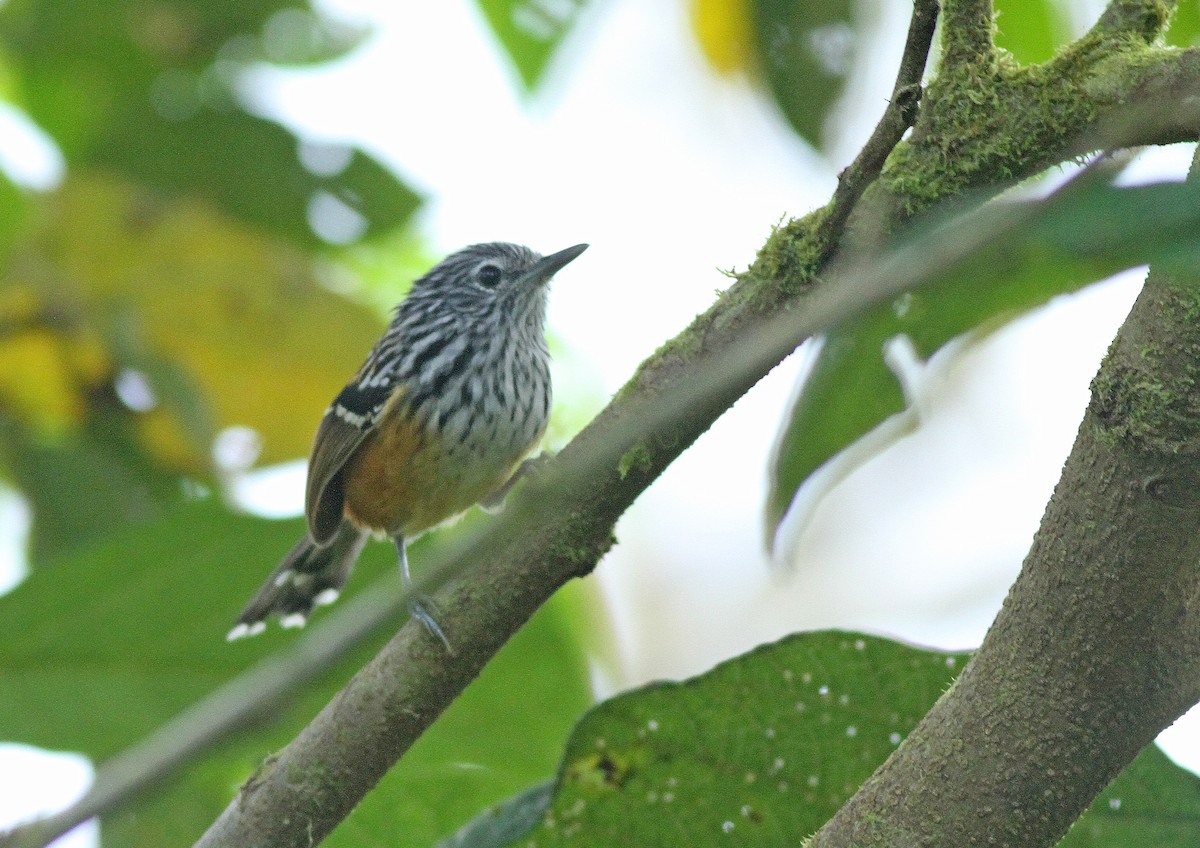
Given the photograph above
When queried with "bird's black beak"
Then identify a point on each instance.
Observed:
(548, 266)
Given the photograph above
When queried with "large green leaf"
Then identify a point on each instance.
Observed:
(1023, 255)
(251, 168)
(530, 32)
(763, 749)
(1152, 802)
(101, 649)
(805, 51)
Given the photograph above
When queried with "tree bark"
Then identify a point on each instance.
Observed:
(1097, 647)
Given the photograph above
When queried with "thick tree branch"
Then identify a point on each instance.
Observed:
(968, 28)
(1143, 19)
(1097, 647)
(994, 130)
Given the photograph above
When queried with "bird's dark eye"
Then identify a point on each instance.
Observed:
(489, 276)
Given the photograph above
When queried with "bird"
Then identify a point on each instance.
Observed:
(442, 415)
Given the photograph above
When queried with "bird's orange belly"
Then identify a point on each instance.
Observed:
(404, 479)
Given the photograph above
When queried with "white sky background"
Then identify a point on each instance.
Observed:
(671, 173)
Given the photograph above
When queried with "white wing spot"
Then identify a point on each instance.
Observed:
(351, 418)
(243, 630)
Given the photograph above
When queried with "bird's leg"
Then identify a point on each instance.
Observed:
(494, 502)
(418, 605)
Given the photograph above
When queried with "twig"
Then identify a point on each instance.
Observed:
(900, 114)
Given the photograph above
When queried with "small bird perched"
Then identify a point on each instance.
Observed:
(440, 417)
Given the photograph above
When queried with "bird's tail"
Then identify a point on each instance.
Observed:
(308, 576)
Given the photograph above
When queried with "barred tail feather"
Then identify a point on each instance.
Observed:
(310, 575)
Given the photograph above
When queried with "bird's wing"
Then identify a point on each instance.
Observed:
(347, 423)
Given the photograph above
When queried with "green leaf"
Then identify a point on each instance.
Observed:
(1023, 254)
(761, 750)
(805, 51)
(220, 321)
(14, 215)
(250, 167)
(505, 822)
(150, 93)
(104, 456)
(1152, 802)
(530, 32)
(1185, 25)
(100, 649)
(1032, 30)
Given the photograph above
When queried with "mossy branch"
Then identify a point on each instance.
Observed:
(969, 31)
(1097, 648)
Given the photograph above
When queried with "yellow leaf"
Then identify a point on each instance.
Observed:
(228, 324)
(37, 383)
(724, 30)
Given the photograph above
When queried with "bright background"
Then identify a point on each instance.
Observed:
(672, 172)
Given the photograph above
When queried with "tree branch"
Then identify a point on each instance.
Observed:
(1143, 19)
(898, 117)
(1097, 647)
(968, 28)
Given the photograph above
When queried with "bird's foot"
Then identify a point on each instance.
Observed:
(419, 607)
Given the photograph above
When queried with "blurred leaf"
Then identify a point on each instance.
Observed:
(103, 460)
(505, 822)
(14, 212)
(297, 36)
(149, 91)
(251, 168)
(170, 284)
(724, 31)
(806, 50)
(215, 324)
(1185, 25)
(1031, 30)
(38, 383)
(98, 651)
(761, 750)
(1025, 254)
(530, 31)
(1152, 802)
